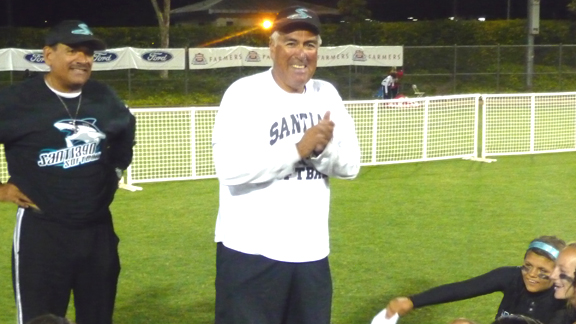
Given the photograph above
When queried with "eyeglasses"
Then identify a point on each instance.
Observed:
(566, 278)
(528, 268)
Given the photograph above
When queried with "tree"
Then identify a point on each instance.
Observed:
(572, 6)
(163, 16)
(354, 11)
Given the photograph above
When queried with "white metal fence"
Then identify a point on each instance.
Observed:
(528, 123)
(175, 143)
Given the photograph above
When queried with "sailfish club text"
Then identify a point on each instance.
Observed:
(297, 123)
(70, 157)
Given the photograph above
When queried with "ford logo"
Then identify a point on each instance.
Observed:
(157, 57)
(103, 57)
(34, 57)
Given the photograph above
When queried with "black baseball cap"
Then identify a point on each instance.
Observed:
(73, 32)
(297, 17)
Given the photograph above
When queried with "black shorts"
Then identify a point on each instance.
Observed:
(50, 260)
(255, 289)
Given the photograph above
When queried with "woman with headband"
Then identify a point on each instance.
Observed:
(528, 289)
(564, 284)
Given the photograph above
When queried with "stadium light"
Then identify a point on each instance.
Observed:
(267, 24)
(481, 19)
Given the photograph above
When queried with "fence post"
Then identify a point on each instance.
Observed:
(498, 58)
(186, 70)
(455, 68)
(560, 66)
(349, 82)
(129, 85)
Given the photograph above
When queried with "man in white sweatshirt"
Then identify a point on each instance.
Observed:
(279, 135)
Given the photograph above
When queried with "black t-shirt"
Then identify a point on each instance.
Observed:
(65, 163)
(508, 280)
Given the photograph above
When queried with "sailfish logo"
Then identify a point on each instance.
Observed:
(82, 144)
(301, 13)
(82, 30)
(80, 131)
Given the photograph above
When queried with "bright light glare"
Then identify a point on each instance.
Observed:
(482, 19)
(266, 24)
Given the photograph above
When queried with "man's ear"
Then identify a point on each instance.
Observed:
(48, 51)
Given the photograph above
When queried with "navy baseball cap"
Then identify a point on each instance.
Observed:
(297, 17)
(73, 32)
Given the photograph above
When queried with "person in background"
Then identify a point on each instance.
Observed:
(67, 141)
(396, 86)
(528, 289)
(278, 138)
(388, 85)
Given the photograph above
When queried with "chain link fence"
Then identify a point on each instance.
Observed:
(436, 70)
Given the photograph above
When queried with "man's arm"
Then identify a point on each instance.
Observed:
(340, 157)
(121, 147)
(241, 155)
(10, 193)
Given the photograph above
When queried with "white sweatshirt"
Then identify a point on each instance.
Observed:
(388, 82)
(272, 203)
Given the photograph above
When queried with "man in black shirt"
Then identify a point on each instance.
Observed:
(67, 140)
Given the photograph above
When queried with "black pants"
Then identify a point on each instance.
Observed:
(252, 289)
(50, 260)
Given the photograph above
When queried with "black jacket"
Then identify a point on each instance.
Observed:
(508, 280)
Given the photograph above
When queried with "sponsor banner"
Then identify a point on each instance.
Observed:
(213, 58)
(113, 59)
(159, 59)
(222, 57)
(32, 60)
(377, 55)
(14, 59)
(5, 59)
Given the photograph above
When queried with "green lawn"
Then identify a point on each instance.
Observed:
(396, 230)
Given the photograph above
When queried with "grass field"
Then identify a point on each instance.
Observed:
(396, 230)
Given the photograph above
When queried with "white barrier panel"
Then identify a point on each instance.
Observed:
(176, 143)
(213, 58)
(528, 123)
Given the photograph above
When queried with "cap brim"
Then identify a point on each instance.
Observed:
(94, 44)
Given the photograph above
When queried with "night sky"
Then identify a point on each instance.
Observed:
(42, 13)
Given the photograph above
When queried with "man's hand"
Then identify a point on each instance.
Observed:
(400, 305)
(11, 193)
(316, 138)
